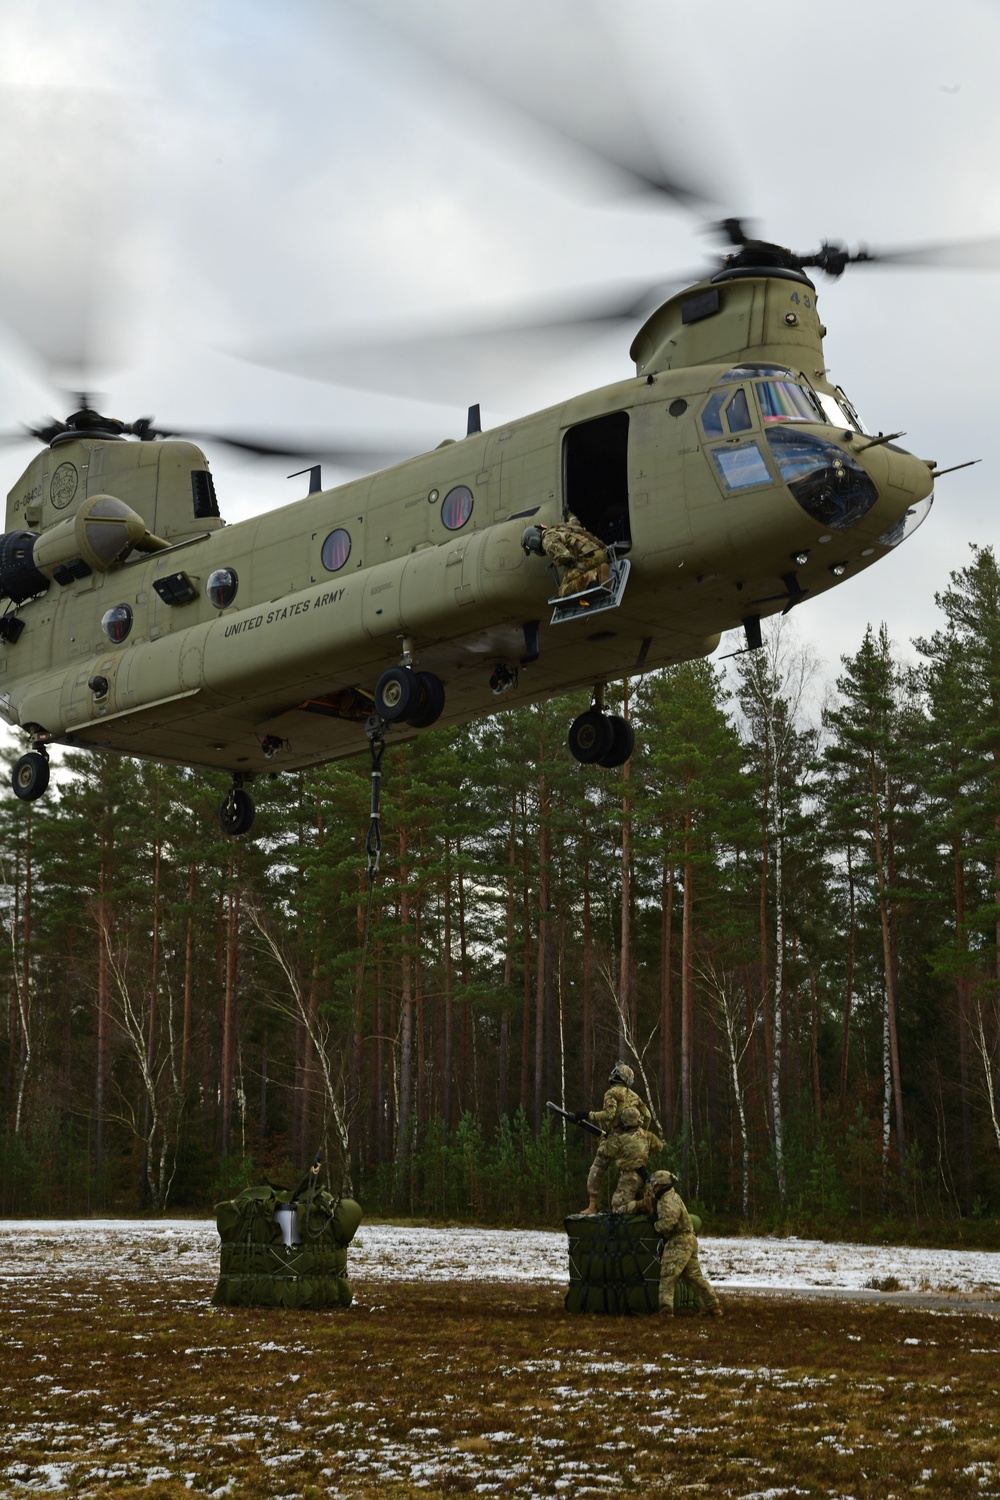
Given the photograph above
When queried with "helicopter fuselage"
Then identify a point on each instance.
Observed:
(734, 474)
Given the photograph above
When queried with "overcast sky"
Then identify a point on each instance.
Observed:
(217, 177)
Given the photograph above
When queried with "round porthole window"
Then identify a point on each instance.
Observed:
(116, 623)
(456, 507)
(221, 587)
(336, 550)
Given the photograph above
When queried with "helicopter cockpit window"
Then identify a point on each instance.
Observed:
(336, 550)
(221, 587)
(116, 623)
(711, 417)
(754, 371)
(738, 413)
(840, 412)
(456, 507)
(741, 465)
(828, 483)
(785, 401)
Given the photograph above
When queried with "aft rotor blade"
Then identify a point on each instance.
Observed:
(329, 450)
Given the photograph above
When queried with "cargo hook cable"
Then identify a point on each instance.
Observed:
(373, 843)
(373, 848)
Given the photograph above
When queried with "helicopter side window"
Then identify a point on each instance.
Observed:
(336, 550)
(741, 465)
(456, 507)
(116, 623)
(738, 413)
(785, 401)
(829, 484)
(221, 586)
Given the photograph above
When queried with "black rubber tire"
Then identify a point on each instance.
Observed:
(590, 737)
(30, 776)
(237, 813)
(623, 743)
(397, 694)
(431, 705)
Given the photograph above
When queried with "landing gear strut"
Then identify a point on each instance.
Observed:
(236, 813)
(30, 776)
(600, 739)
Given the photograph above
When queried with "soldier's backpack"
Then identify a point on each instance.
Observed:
(258, 1269)
(614, 1266)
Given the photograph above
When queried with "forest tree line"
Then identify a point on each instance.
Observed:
(785, 916)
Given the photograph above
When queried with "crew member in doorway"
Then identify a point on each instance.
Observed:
(583, 555)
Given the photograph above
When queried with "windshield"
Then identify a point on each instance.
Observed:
(784, 401)
(840, 412)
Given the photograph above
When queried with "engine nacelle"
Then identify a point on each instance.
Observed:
(101, 533)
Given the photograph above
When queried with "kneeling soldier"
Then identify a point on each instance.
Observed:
(619, 1095)
(632, 1145)
(680, 1247)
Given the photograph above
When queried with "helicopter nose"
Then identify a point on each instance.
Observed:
(901, 479)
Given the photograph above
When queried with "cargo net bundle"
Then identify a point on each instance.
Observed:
(614, 1266)
(276, 1253)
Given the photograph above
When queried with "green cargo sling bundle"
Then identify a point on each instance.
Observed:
(260, 1268)
(614, 1266)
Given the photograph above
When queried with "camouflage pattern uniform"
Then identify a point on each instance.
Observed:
(576, 549)
(618, 1096)
(632, 1145)
(680, 1247)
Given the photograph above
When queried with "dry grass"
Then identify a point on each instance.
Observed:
(445, 1390)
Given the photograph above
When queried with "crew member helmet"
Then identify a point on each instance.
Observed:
(622, 1073)
(661, 1181)
(630, 1118)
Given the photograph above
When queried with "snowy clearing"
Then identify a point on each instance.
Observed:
(187, 1251)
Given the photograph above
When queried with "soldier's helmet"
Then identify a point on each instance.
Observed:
(622, 1073)
(630, 1118)
(661, 1180)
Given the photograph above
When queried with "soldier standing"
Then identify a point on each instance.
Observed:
(619, 1095)
(680, 1248)
(632, 1145)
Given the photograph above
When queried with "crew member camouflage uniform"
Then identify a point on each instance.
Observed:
(632, 1145)
(680, 1247)
(576, 549)
(619, 1095)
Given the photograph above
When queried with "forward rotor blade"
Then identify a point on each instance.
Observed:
(954, 255)
(571, 84)
(486, 357)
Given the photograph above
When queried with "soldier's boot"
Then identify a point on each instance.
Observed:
(713, 1312)
(591, 1206)
(665, 1311)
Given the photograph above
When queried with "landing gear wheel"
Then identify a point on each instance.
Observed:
(30, 776)
(236, 814)
(431, 702)
(397, 694)
(591, 737)
(623, 742)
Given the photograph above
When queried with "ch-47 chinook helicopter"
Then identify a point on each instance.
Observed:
(728, 477)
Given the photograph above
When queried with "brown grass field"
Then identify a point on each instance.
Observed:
(447, 1389)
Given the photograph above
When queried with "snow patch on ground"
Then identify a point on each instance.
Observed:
(187, 1251)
